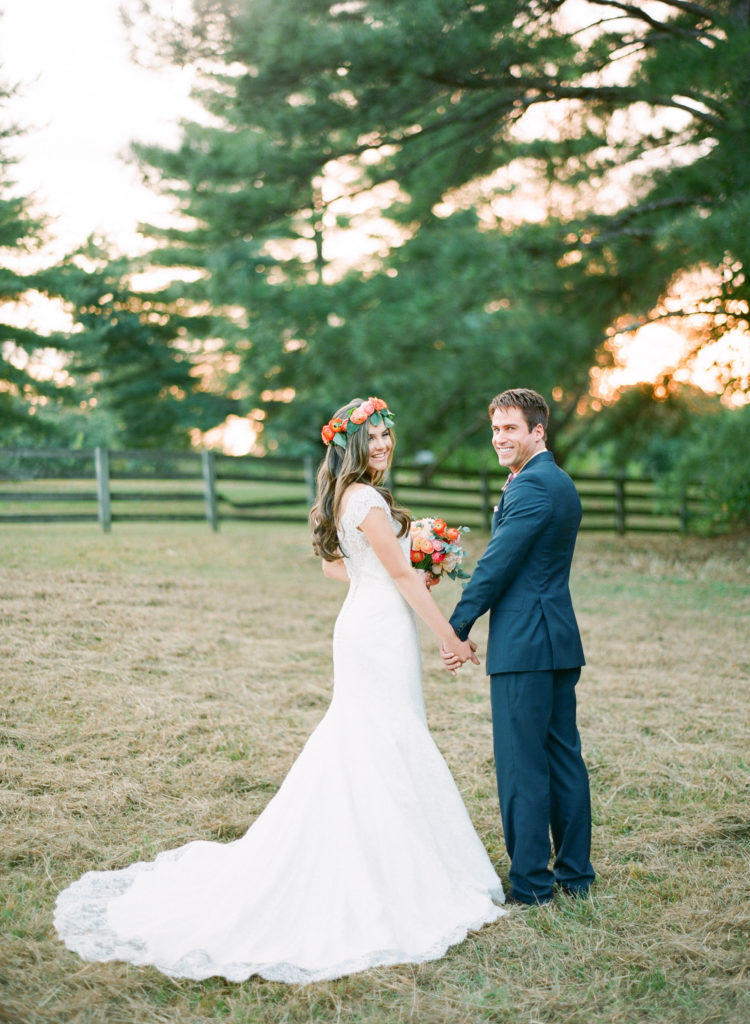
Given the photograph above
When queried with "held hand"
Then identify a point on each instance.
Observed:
(455, 652)
(451, 661)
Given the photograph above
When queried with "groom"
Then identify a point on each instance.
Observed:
(534, 657)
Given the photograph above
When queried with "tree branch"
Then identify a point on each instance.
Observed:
(684, 314)
(549, 89)
(697, 10)
(657, 204)
(631, 94)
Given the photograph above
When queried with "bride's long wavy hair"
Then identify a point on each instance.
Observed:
(340, 468)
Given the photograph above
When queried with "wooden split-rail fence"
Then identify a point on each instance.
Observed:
(96, 484)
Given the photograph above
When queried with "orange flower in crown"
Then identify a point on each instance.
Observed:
(374, 409)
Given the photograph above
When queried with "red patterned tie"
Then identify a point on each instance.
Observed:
(511, 476)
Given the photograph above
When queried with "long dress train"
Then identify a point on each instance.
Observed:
(364, 857)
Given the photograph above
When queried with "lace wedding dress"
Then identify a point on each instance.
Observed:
(365, 856)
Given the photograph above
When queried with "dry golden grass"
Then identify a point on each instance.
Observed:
(158, 683)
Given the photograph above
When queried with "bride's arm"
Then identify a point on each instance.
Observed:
(377, 529)
(335, 570)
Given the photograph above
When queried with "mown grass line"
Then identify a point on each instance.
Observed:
(159, 681)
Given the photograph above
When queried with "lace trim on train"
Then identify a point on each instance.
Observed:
(81, 921)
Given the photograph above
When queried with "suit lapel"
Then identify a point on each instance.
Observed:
(499, 510)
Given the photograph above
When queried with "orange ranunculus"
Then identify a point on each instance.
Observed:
(416, 556)
(439, 526)
(427, 546)
(452, 534)
(337, 425)
(327, 433)
(359, 415)
(378, 403)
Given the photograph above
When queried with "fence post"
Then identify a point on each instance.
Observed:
(208, 469)
(684, 511)
(484, 491)
(101, 465)
(310, 480)
(620, 510)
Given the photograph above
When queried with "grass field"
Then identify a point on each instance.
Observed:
(159, 681)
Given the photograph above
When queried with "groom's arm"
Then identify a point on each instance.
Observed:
(526, 510)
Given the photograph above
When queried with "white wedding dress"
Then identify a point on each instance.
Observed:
(365, 856)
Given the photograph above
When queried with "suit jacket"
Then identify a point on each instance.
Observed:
(522, 579)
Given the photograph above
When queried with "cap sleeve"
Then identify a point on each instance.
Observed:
(361, 502)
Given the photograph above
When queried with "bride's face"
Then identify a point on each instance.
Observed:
(380, 443)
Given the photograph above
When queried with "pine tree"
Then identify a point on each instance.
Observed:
(25, 393)
(522, 241)
(143, 359)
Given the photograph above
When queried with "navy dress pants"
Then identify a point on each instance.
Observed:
(542, 782)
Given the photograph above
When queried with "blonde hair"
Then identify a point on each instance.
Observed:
(340, 468)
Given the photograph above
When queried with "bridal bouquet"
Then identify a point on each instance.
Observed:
(436, 549)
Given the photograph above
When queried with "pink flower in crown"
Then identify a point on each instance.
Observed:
(360, 414)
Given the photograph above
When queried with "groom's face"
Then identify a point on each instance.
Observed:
(512, 439)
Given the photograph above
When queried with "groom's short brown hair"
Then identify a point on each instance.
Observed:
(533, 407)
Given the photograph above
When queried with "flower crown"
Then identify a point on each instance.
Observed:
(337, 428)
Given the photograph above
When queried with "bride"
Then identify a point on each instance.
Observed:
(366, 855)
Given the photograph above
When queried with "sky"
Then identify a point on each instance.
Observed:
(82, 101)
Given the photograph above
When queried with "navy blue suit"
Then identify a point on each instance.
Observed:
(534, 659)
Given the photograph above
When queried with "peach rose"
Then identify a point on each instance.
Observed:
(359, 415)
